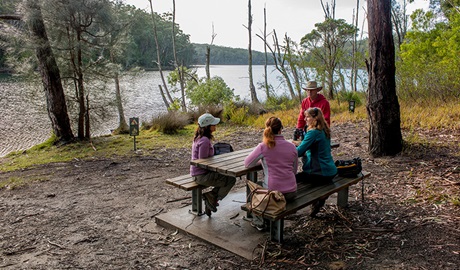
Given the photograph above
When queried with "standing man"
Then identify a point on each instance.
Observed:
(314, 99)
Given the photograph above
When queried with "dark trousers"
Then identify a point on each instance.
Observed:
(313, 179)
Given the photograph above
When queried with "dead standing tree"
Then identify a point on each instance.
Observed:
(382, 103)
(279, 57)
(251, 80)
(208, 55)
(166, 98)
(177, 65)
(266, 85)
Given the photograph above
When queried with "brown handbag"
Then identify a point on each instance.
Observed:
(262, 201)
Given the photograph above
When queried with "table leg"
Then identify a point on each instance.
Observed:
(252, 176)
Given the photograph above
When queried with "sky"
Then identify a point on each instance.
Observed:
(295, 18)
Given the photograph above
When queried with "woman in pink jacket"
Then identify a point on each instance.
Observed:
(279, 161)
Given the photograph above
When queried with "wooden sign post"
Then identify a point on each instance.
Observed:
(134, 128)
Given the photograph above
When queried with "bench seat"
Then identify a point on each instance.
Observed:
(186, 182)
(306, 195)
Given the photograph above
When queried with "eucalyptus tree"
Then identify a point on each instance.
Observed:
(80, 31)
(382, 102)
(36, 37)
(326, 42)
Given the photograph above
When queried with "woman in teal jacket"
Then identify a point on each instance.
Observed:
(315, 149)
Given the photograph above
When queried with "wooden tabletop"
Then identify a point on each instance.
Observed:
(231, 164)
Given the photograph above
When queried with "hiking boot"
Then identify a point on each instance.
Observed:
(259, 227)
(207, 211)
(210, 201)
(316, 207)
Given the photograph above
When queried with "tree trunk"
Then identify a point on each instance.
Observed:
(251, 80)
(208, 59)
(180, 68)
(382, 103)
(354, 66)
(267, 88)
(293, 67)
(330, 82)
(51, 78)
(155, 35)
(78, 67)
(123, 127)
(279, 64)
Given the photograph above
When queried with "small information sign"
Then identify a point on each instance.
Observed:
(134, 126)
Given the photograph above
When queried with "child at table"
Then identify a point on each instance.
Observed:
(202, 148)
(279, 162)
(315, 149)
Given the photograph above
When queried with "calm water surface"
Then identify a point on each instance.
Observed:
(25, 123)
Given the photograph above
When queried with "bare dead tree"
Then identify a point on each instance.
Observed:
(177, 65)
(267, 87)
(400, 21)
(251, 80)
(164, 91)
(329, 12)
(288, 52)
(354, 66)
(280, 61)
(208, 54)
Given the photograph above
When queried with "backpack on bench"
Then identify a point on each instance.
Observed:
(222, 148)
(349, 168)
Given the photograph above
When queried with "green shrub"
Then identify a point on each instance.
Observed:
(239, 113)
(278, 103)
(168, 123)
(209, 92)
(346, 96)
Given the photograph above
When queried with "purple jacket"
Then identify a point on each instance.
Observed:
(279, 164)
(201, 148)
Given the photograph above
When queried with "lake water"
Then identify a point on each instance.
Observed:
(25, 123)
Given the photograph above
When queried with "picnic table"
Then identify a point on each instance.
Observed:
(232, 164)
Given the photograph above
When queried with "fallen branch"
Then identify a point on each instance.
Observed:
(9, 253)
(159, 211)
(21, 218)
(179, 199)
(56, 245)
(262, 256)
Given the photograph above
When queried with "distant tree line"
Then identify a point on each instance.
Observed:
(228, 56)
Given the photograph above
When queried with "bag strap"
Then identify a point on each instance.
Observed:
(249, 200)
(268, 202)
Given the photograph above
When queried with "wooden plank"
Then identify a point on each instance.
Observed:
(219, 159)
(185, 182)
(231, 164)
(178, 178)
(307, 194)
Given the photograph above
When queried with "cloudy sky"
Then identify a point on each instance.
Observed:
(229, 17)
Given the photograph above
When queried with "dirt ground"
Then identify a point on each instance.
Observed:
(99, 214)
